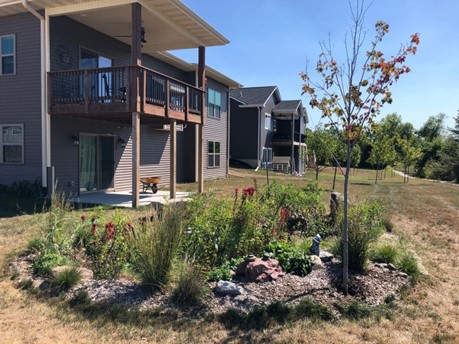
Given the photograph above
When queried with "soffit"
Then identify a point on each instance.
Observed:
(168, 24)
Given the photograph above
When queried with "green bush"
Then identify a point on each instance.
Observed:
(221, 230)
(66, 279)
(291, 259)
(409, 264)
(154, 246)
(365, 226)
(384, 253)
(45, 262)
(310, 309)
(189, 288)
(108, 248)
(354, 310)
(225, 271)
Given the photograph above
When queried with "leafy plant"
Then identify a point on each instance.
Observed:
(45, 262)
(108, 248)
(225, 271)
(291, 259)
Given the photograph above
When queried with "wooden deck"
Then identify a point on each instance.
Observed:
(116, 92)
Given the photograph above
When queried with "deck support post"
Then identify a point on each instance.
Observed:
(202, 86)
(136, 60)
(135, 158)
(173, 159)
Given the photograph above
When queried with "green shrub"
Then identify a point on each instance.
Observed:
(291, 259)
(365, 226)
(354, 310)
(225, 271)
(384, 253)
(81, 298)
(26, 188)
(108, 248)
(189, 288)
(45, 262)
(409, 264)
(154, 245)
(310, 309)
(35, 244)
(66, 279)
(57, 225)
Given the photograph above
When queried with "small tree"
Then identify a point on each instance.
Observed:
(351, 95)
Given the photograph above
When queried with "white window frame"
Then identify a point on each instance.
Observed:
(214, 154)
(3, 144)
(2, 55)
(212, 99)
(267, 121)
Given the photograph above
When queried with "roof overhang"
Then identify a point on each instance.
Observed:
(193, 67)
(168, 24)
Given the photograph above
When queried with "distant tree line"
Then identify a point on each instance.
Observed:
(430, 152)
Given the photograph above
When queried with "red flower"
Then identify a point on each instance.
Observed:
(83, 217)
(250, 191)
(284, 214)
(93, 229)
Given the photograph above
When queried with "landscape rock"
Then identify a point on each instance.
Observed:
(260, 270)
(86, 274)
(228, 288)
(325, 256)
(391, 267)
(316, 262)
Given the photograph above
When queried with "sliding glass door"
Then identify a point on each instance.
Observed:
(96, 162)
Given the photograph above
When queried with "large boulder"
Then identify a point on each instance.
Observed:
(260, 270)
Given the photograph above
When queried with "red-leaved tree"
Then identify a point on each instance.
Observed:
(350, 95)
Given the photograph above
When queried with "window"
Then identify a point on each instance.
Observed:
(12, 144)
(214, 100)
(267, 157)
(7, 52)
(267, 121)
(213, 154)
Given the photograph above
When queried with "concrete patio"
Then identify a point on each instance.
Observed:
(124, 199)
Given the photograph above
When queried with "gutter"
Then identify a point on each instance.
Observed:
(259, 139)
(44, 122)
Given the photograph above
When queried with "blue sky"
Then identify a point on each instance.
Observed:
(271, 41)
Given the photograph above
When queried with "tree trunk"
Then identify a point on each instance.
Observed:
(376, 174)
(317, 172)
(334, 177)
(345, 221)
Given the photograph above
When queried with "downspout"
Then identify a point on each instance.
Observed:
(44, 122)
(259, 139)
(228, 132)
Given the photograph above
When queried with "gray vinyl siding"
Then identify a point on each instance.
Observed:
(266, 135)
(69, 35)
(154, 152)
(215, 129)
(20, 96)
(244, 132)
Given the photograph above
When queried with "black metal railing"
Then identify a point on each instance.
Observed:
(287, 136)
(114, 85)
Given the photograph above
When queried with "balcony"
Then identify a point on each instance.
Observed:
(285, 139)
(112, 93)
